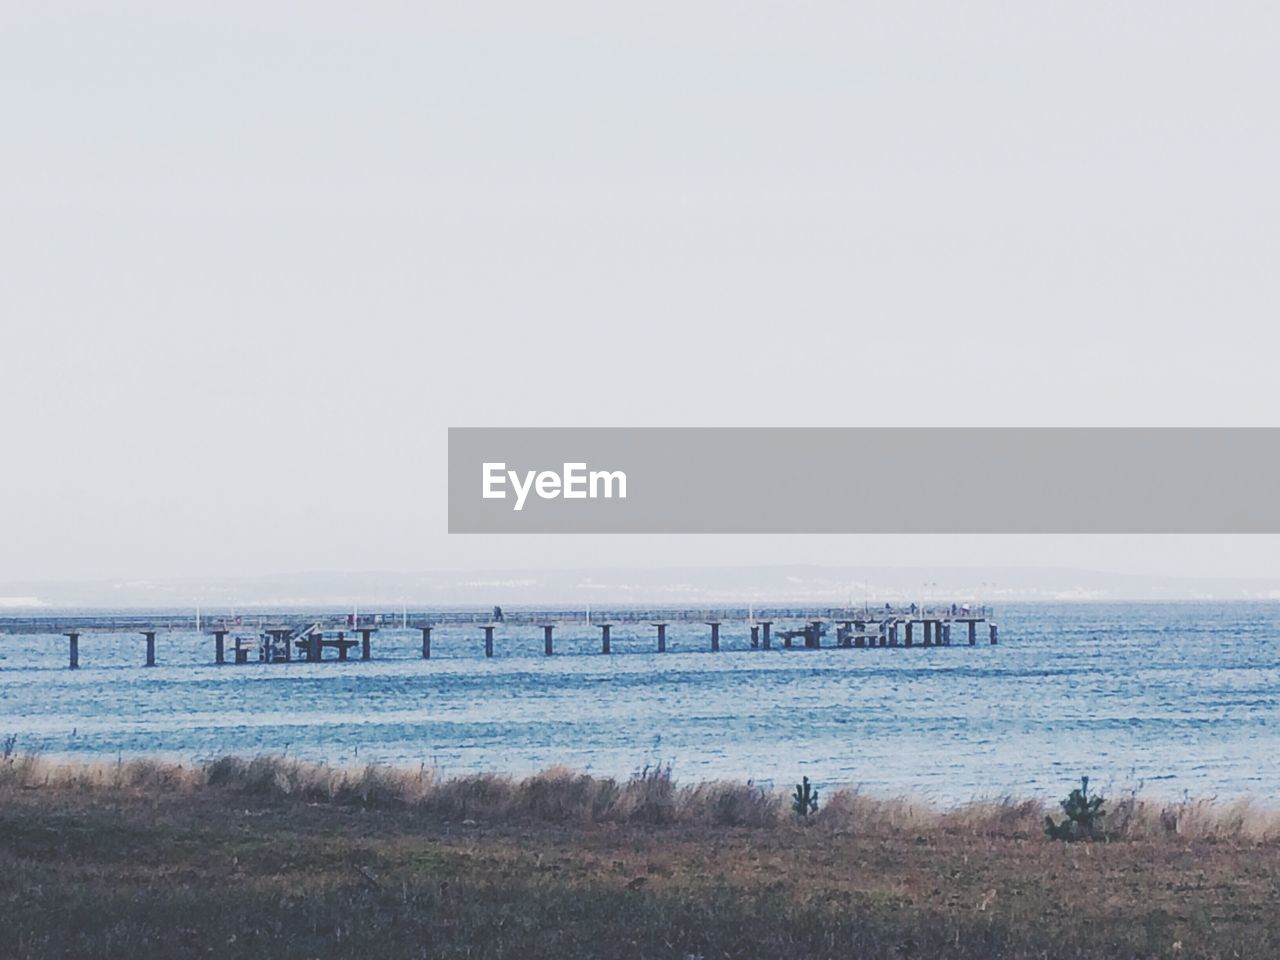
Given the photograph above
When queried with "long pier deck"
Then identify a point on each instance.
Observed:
(282, 636)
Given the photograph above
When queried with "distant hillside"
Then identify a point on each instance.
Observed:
(691, 585)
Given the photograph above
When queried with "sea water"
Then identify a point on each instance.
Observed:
(1178, 699)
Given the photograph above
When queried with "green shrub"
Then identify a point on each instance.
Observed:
(805, 800)
(1084, 815)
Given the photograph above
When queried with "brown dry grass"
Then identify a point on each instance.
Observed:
(651, 796)
(267, 857)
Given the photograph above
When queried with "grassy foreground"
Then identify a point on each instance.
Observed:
(269, 858)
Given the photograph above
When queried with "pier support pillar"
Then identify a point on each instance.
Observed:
(715, 636)
(426, 642)
(604, 637)
(662, 637)
(151, 647)
(764, 634)
(973, 633)
(755, 636)
(993, 634)
(74, 651)
(220, 646)
(893, 634)
(548, 648)
(928, 632)
(364, 641)
(813, 639)
(313, 646)
(342, 647)
(946, 634)
(280, 639)
(488, 640)
(909, 638)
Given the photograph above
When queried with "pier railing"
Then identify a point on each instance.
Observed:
(174, 622)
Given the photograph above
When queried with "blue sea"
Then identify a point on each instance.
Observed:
(1178, 699)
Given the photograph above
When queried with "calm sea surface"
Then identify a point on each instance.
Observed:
(1175, 698)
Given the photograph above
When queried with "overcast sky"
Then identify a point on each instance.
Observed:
(255, 258)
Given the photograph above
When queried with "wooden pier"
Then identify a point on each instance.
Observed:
(288, 636)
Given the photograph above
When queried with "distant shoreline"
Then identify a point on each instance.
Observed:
(708, 585)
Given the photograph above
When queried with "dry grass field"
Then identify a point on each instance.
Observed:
(272, 858)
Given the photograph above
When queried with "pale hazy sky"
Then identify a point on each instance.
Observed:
(255, 258)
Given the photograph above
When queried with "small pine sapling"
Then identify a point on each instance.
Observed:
(805, 800)
(1084, 815)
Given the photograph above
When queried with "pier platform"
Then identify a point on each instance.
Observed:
(284, 636)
